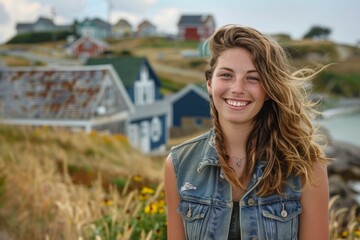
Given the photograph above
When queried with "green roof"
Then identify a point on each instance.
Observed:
(127, 68)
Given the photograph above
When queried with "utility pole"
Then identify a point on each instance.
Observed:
(110, 6)
(53, 32)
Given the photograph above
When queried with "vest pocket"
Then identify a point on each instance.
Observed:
(193, 216)
(281, 219)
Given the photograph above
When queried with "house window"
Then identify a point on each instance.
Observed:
(87, 45)
(155, 129)
(198, 122)
(144, 88)
(133, 134)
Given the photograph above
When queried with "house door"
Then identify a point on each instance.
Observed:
(133, 135)
(145, 136)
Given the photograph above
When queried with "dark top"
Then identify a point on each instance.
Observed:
(234, 231)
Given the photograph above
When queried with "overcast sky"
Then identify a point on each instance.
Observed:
(293, 17)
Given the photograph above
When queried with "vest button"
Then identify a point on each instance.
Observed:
(251, 202)
(254, 238)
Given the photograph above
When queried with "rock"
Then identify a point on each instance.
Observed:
(345, 160)
(338, 186)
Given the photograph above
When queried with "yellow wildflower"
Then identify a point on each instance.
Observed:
(345, 234)
(151, 208)
(142, 197)
(147, 190)
(137, 178)
(108, 202)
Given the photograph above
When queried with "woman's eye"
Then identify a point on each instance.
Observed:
(253, 78)
(226, 75)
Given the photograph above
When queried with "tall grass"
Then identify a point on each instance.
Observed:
(55, 184)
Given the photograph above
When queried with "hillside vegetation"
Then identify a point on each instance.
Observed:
(57, 184)
(176, 68)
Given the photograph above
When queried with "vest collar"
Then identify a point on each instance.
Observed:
(209, 156)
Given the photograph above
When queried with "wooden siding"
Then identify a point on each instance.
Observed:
(190, 105)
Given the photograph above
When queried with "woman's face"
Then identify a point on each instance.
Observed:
(235, 87)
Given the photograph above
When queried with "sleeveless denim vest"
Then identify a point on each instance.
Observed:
(206, 198)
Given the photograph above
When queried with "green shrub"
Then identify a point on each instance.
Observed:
(170, 85)
(347, 85)
(39, 37)
(302, 50)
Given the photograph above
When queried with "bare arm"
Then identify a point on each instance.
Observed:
(314, 220)
(175, 227)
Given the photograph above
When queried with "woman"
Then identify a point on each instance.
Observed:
(258, 174)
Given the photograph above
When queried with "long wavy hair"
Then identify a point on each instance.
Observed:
(282, 135)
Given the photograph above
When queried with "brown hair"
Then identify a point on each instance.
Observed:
(283, 135)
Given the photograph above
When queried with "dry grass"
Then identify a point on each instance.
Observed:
(41, 200)
(15, 61)
(46, 192)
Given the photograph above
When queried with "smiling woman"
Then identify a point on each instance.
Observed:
(235, 88)
(258, 174)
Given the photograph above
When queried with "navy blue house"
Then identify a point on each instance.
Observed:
(189, 110)
(147, 128)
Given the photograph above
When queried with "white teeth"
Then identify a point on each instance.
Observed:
(236, 103)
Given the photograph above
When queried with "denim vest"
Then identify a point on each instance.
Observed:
(206, 198)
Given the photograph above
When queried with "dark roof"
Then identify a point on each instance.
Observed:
(46, 21)
(193, 19)
(24, 26)
(96, 22)
(54, 93)
(123, 23)
(128, 68)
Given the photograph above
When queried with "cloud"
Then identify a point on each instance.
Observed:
(133, 6)
(4, 15)
(21, 11)
(166, 20)
(28, 11)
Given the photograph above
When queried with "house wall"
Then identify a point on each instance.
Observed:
(151, 76)
(191, 33)
(114, 127)
(190, 105)
(148, 134)
(190, 125)
(89, 49)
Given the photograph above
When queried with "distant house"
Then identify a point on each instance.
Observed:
(146, 29)
(189, 110)
(139, 78)
(82, 97)
(86, 47)
(122, 29)
(196, 27)
(95, 28)
(148, 129)
(147, 125)
(41, 25)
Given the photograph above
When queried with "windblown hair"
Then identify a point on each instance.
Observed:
(283, 135)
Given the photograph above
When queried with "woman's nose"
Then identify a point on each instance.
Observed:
(238, 85)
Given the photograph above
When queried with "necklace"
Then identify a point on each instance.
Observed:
(238, 160)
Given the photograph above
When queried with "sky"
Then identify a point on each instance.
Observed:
(292, 17)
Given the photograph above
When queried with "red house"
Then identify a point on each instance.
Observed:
(196, 27)
(86, 47)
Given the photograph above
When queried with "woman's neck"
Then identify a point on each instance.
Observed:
(236, 136)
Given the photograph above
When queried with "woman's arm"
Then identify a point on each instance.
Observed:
(175, 227)
(314, 219)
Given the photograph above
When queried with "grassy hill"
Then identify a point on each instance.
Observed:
(57, 184)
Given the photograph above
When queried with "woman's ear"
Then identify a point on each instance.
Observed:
(208, 86)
